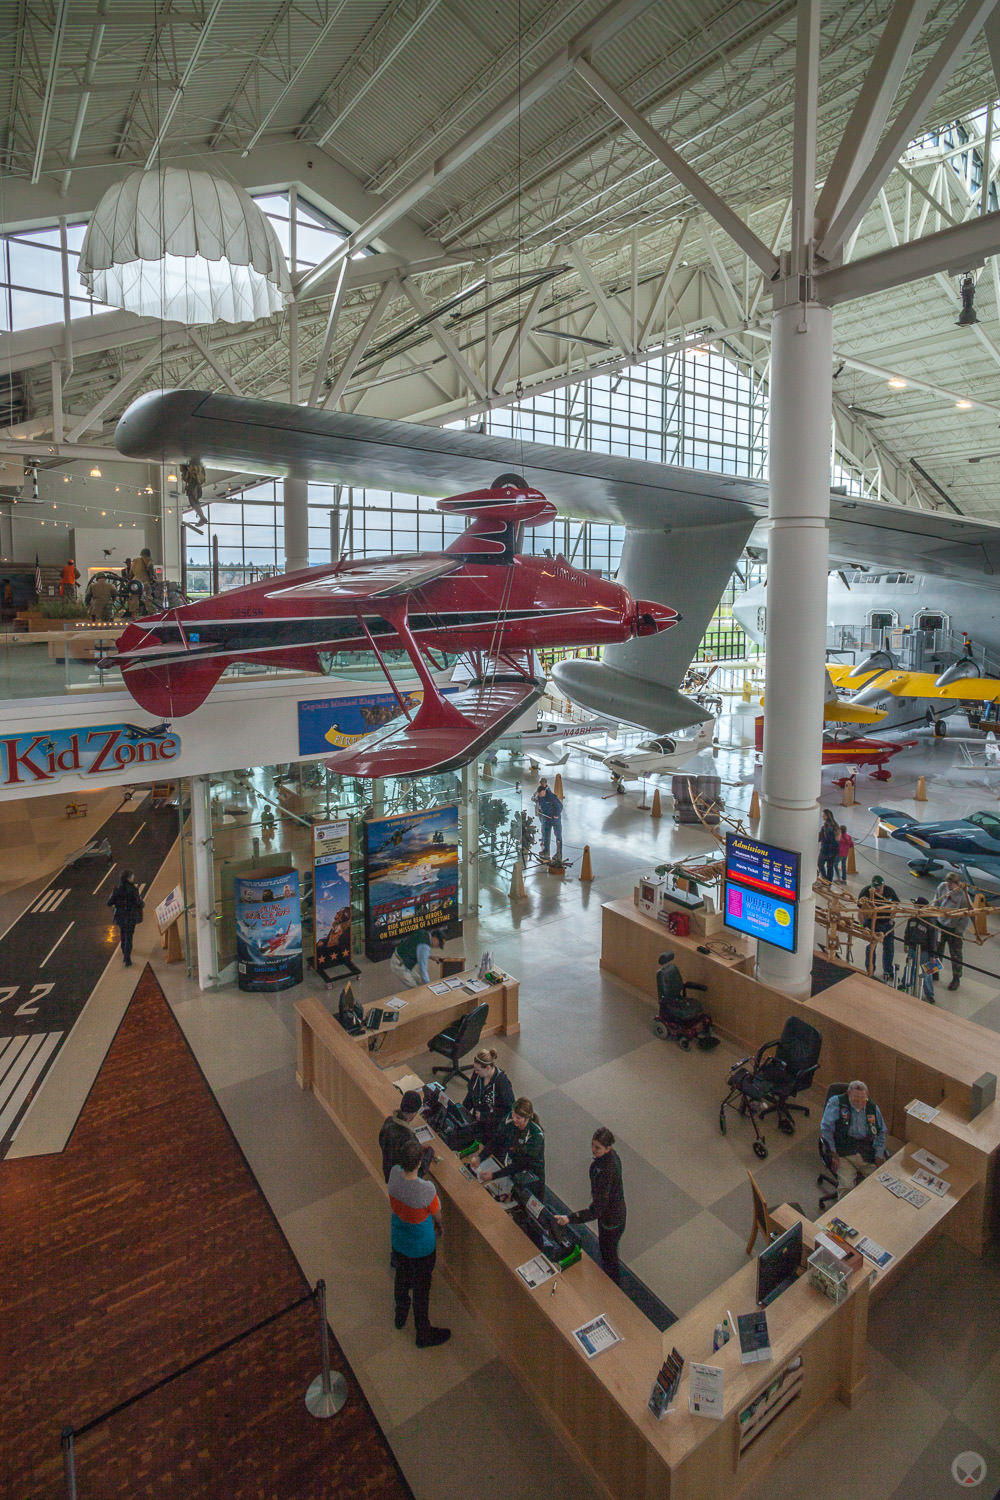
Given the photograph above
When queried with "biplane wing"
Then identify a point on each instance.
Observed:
(428, 743)
(381, 578)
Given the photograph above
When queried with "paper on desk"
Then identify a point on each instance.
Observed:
(931, 1162)
(424, 1134)
(596, 1336)
(476, 986)
(456, 983)
(394, 1003)
(831, 1245)
(490, 1165)
(439, 989)
(534, 1272)
(931, 1182)
(921, 1111)
(410, 1083)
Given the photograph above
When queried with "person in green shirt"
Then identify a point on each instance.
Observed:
(518, 1144)
(409, 962)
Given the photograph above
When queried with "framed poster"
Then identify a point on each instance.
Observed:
(268, 931)
(332, 894)
(411, 876)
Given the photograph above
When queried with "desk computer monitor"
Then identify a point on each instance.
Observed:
(778, 1264)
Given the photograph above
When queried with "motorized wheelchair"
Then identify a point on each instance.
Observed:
(680, 1017)
(765, 1083)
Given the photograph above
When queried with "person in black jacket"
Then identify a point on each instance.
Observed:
(607, 1201)
(490, 1096)
(397, 1129)
(920, 939)
(518, 1145)
(127, 902)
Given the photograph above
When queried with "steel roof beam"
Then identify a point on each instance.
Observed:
(58, 32)
(960, 245)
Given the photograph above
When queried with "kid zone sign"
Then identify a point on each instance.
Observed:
(29, 759)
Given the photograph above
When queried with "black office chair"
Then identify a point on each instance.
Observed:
(457, 1041)
(766, 1083)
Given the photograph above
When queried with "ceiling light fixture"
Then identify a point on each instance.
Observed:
(95, 472)
(896, 384)
(963, 405)
(186, 246)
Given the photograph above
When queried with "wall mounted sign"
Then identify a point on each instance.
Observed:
(32, 759)
(761, 891)
(411, 876)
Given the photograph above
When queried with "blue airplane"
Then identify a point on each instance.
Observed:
(964, 843)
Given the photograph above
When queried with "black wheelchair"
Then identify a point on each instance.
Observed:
(681, 1018)
(765, 1083)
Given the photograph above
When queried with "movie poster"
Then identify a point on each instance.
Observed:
(268, 930)
(332, 893)
(411, 876)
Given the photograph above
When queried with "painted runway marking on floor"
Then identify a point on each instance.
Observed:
(51, 898)
(136, 834)
(29, 1062)
(59, 900)
(103, 878)
(55, 945)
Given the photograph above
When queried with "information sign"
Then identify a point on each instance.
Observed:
(762, 867)
(760, 915)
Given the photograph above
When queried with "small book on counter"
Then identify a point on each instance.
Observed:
(755, 1342)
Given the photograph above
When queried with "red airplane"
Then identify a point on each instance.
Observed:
(478, 598)
(841, 748)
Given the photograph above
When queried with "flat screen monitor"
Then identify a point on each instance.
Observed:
(760, 915)
(778, 1264)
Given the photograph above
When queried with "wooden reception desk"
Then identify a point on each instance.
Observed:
(901, 1047)
(424, 1014)
(598, 1407)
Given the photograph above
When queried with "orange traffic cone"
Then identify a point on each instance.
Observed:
(755, 806)
(655, 809)
(586, 870)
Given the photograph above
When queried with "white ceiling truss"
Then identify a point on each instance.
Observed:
(612, 182)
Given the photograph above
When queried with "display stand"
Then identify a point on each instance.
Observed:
(168, 915)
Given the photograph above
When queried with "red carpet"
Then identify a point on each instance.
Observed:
(143, 1246)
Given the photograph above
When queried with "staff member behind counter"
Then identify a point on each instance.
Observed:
(490, 1095)
(518, 1144)
(409, 962)
(607, 1201)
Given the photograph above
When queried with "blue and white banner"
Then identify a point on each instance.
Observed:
(268, 931)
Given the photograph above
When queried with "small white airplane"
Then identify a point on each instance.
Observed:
(545, 738)
(657, 757)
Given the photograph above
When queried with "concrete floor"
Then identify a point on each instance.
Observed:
(585, 1056)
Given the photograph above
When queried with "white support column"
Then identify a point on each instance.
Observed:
(296, 497)
(469, 819)
(204, 882)
(801, 397)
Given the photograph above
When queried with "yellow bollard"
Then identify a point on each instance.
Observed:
(979, 916)
(847, 800)
(920, 795)
(655, 809)
(516, 892)
(558, 786)
(586, 871)
(755, 806)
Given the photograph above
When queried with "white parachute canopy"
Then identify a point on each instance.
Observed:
(184, 246)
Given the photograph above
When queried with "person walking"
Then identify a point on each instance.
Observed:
(416, 1226)
(126, 899)
(829, 845)
(844, 847)
(953, 896)
(607, 1201)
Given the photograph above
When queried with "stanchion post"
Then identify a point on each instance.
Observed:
(69, 1462)
(327, 1393)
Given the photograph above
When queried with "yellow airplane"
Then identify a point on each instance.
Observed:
(877, 686)
(845, 710)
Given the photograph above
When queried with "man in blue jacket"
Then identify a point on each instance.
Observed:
(853, 1131)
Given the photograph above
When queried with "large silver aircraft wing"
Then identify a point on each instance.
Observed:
(686, 527)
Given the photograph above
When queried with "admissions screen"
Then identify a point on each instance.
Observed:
(762, 867)
(760, 915)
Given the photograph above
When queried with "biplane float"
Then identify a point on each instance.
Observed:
(479, 599)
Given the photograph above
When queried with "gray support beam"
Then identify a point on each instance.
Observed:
(423, 309)
(390, 290)
(804, 140)
(966, 25)
(612, 20)
(58, 32)
(615, 328)
(663, 286)
(322, 358)
(689, 179)
(961, 245)
(296, 497)
(872, 106)
(213, 363)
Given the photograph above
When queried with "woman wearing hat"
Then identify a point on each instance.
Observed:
(397, 1129)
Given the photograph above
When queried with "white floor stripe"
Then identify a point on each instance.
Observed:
(46, 902)
(137, 833)
(62, 897)
(55, 945)
(12, 1045)
(34, 1065)
(103, 878)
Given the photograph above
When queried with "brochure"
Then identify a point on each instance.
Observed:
(490, 1165)
(874, 1253)
(596, 1336)
(537, 1271)
(476, 986)
(705, 1392)
(439, 989)
(928, 1180)
(424, 1134)
(455, 983)
(921, 1111)
(932, 1163)
(394, 1003)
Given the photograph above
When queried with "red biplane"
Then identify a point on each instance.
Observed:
(478, 599)
(842, 748)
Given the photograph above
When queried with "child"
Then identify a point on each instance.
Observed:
(844, 846)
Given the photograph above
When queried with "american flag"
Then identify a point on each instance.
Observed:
(38, 575)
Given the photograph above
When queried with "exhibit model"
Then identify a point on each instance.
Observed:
(479, 599)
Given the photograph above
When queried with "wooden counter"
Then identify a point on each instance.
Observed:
(598, 1407)
(425, 1014)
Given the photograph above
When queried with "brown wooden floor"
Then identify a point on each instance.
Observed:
(142, 1246)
